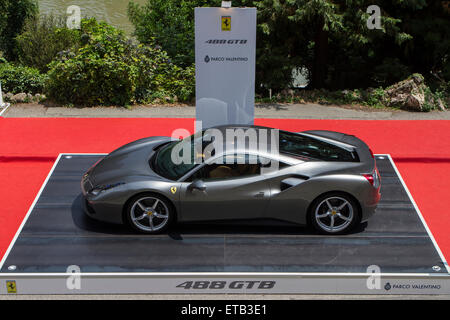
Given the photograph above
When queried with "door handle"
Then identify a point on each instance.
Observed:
(259, 195)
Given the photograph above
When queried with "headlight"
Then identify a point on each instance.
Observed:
(97, 190)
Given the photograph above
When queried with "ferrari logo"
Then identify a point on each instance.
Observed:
(226, 23)
(11, 286)
(173, 190)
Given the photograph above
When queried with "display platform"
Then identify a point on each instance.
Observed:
(57, 235)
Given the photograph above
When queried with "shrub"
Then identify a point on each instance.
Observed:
(110, 69)
(97, 73)
(376, 97)
(433, 99)
(16, 79)
(429, 103)
(42, 38)
(157, 78)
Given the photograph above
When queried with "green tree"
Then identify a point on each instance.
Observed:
(331, 37)
(328, 38)
(13, 14)
(429, 52)
(169, 24)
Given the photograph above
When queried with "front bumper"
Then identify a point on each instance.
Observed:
(97, 207)
(88, 208)
(102, 211)
(86, 186)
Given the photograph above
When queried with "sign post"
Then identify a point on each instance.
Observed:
(2, 104)
(225, 45)
(1, 96)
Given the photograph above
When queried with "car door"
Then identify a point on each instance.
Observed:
(225, 190)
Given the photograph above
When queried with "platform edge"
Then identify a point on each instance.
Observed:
(419, 213)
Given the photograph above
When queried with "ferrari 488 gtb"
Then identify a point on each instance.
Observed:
(325, 179)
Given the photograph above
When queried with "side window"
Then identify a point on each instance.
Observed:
(235, 166)
(232, 166)
(298, 144)
(269, 165)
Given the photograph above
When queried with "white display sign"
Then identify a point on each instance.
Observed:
(225, 45)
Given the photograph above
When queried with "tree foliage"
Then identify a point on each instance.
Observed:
(43, 38)
(110, 69)
(329, 38)
(13, 14)
(169, 24)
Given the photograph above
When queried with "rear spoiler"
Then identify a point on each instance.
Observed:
(343, 138)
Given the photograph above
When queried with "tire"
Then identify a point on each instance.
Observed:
(334, 213)
(149, 213)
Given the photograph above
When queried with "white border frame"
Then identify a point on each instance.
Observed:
(298, 276)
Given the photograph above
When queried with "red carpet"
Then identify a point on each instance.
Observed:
(28, 147)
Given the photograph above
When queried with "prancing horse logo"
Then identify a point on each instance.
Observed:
(173, 190)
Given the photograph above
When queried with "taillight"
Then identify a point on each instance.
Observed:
(373, 178)
(369, 178)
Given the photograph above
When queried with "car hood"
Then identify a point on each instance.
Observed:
(129, 162)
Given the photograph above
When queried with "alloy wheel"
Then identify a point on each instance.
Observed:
(334, 214)
(149, 214)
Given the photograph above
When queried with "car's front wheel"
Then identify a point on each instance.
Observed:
(149, 213)
(334, 213)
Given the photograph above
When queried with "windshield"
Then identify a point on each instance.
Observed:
(171, 161)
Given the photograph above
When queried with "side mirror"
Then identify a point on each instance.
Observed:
(197, 184)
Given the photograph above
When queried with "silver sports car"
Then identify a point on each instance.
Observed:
(325, 179)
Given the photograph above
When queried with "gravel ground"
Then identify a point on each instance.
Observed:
(293, 111)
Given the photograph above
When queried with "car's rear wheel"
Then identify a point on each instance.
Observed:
(334, 213)
(149, 213)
